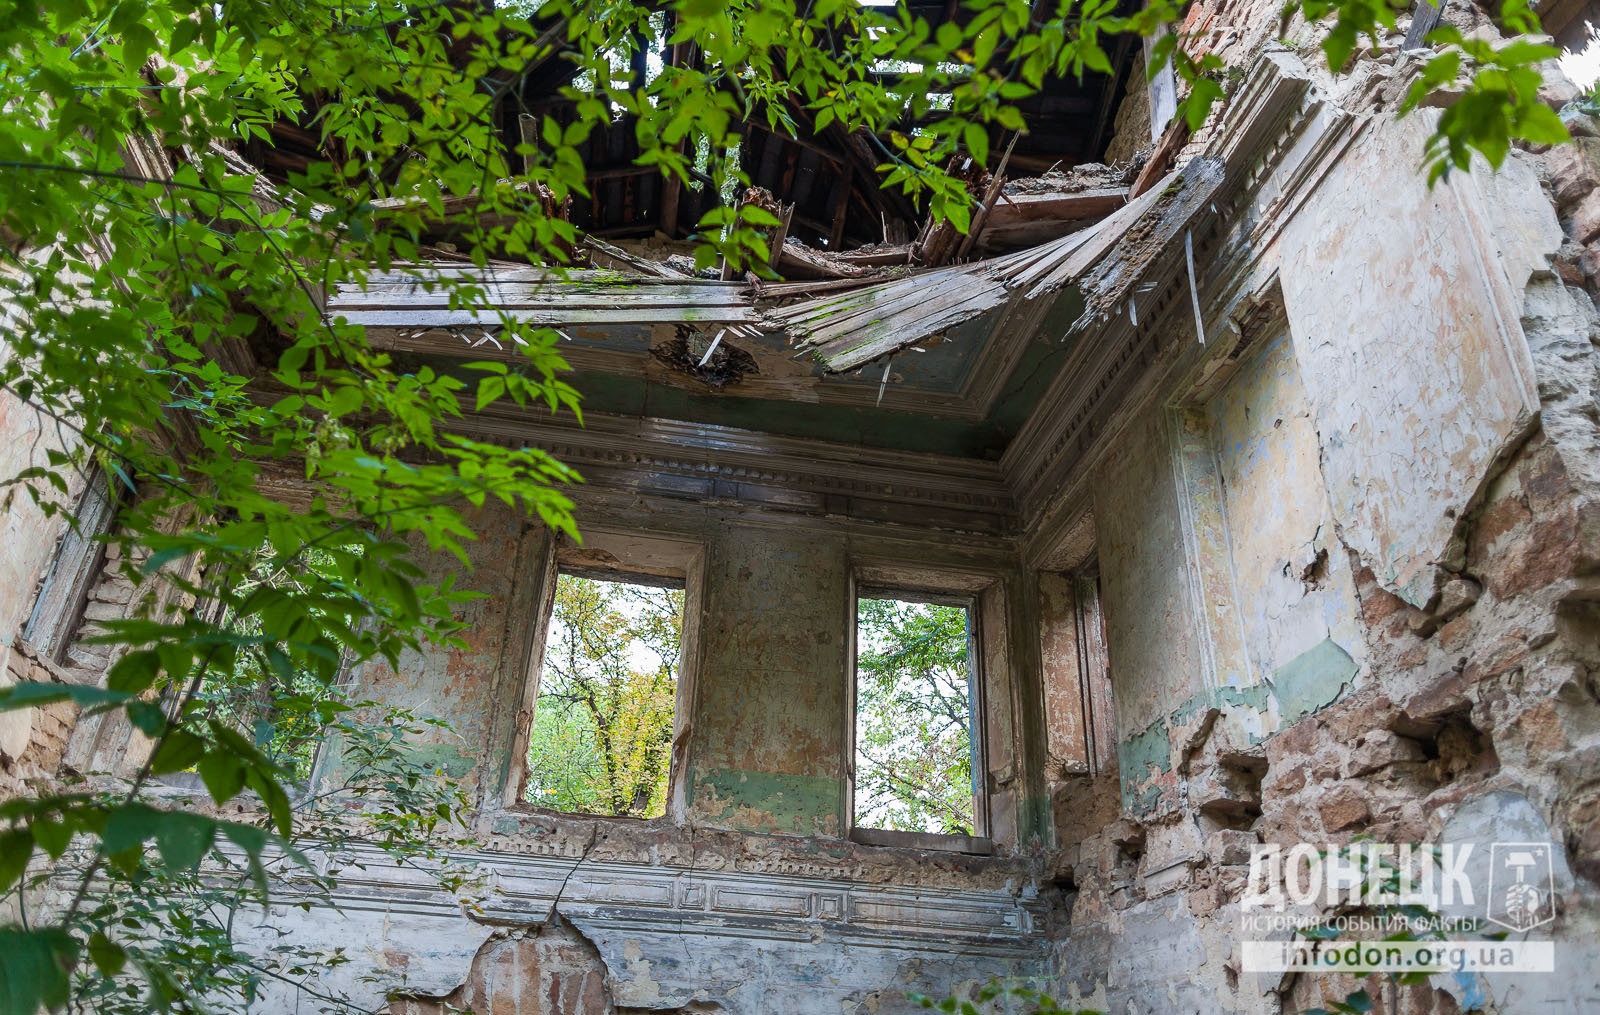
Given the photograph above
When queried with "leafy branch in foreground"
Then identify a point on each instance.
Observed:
(161, 302)
(1034, 1002)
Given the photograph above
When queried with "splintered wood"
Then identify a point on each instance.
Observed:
(543, 296)
(845, 330)
(843, 310)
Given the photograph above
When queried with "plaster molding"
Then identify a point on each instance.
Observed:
(1278, 138)
(525, 889)
(708, 463)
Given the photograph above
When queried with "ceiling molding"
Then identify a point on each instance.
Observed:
(742, 468)
(1279, 135)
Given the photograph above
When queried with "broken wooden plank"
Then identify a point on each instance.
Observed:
(1424, 19)
(1023, 220)
(768, 291)
(894, 255)
(515, 295)
(600, 250)
(1150, 245)
(997, 182)
(1166, 152)
(796, 260)
(511, 271)
(957, 305)
(555, 316)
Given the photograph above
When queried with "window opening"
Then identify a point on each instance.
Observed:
(601, 734)
(269, 698)
(915, 699)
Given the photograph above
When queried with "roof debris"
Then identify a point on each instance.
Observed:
(709, 359)
(847, 309)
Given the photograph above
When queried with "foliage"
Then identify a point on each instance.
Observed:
(913, 737)
(142, 265)
(1034, 1002)
(282, 711)
(1501, 104)
(602, 727)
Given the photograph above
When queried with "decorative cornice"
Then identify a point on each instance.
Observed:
(1277, 139)
(522, 889)
(707, 463)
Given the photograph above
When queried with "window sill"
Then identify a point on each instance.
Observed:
(975, 844)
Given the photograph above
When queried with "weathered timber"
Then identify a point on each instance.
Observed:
(844, 330)
(1166, 152)
(600, 252)
(543, 296)
(1024, 220)
(1150, 245)
(798, 261)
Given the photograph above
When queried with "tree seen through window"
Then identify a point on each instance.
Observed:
(601, 737)
(913, 718)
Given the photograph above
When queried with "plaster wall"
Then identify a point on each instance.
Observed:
(773, 687)
(1350, 580)
(29, 539)
(1146, 586)
(747, 895)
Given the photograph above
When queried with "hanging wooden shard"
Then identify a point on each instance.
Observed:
(845, 330)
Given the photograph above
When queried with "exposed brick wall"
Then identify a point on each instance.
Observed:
(32, 741)
(547, 971)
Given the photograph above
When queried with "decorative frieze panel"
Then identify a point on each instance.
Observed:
(744, 469)
(755, 943)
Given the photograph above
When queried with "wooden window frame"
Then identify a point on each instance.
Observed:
(630, 557)
(921, 585)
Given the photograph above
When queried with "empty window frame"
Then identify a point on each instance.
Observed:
(1077, 681)
(58, 611)
(603, 719)
(916, 743)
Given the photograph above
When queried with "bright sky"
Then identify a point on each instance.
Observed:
(1583, 67)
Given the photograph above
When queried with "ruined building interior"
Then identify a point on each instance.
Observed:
(1267, 478)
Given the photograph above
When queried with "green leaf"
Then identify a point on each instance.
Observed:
(1540, 124)
(128, 826)
(179, 750)
(134, 672)
(757, 215)
(977, 142)
(247, 837)
(29, 694)
(52, 836)
(35, 967)
(983, 49)
(107, 956)
(273, 795)
(345, 400)
(223, 773)
(182, 839)
(16, 847)
(147, 718)
(489, 389)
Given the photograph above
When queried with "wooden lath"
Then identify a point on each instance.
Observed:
(545, 297)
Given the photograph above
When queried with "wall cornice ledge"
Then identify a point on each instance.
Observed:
(1275, 141)
(678, 460)
(524, 890)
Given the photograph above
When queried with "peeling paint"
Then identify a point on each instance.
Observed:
(1313, 680)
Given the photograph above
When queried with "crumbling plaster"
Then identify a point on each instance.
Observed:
(1431, 422)
(763, 808)
(1271, 680)
(1349, 554)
